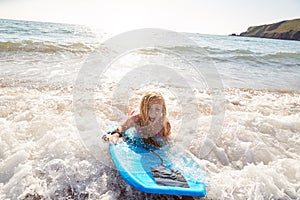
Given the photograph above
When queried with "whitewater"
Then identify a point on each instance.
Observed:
(245, 134)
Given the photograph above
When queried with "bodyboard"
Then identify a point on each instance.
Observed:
(164, 170)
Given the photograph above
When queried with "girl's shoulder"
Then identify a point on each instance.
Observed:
(135, 116)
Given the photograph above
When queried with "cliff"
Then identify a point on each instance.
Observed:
(287, 30)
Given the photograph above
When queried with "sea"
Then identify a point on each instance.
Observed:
(233, 103)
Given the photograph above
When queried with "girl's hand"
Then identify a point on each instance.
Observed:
(114, 138)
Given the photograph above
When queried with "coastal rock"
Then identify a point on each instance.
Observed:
(287, 30)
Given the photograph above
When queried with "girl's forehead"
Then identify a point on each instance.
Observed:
(156, 102)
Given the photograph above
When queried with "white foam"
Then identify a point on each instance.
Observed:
(45, 152)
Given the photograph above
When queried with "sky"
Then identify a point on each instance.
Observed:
(221, 17)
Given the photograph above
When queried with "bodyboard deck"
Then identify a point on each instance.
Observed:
(141, 167)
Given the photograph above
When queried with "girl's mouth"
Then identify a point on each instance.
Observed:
(152, 119)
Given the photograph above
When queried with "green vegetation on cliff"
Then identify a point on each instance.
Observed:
(288, 30)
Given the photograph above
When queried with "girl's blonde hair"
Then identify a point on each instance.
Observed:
(148, 99)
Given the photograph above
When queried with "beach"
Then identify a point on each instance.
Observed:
(245, 132)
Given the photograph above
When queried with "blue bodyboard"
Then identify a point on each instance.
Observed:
(135, 160)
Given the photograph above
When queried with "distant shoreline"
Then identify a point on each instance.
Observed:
(284, 30)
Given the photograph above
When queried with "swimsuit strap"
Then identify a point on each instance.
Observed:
(134, 112)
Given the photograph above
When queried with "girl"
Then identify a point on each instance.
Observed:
(150, 121)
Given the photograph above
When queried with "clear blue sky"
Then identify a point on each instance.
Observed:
(202, 16)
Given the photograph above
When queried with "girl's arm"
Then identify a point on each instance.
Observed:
(117, 133)
(130, 122)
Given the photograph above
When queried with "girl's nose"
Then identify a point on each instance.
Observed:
(152, 113)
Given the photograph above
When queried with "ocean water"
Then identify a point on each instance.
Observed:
(233, 102)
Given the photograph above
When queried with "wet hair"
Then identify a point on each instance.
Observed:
(148, 99)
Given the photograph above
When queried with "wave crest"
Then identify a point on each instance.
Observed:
(45, 47)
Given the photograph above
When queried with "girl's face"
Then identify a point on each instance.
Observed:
(155, 111)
